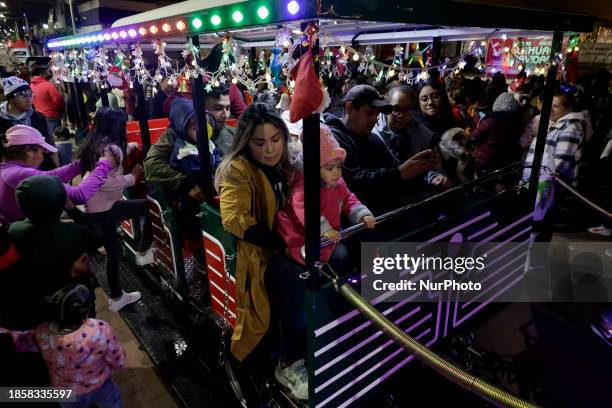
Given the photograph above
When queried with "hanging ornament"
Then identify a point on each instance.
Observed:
(275, 66)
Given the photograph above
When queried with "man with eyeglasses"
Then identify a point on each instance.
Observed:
(18, 110)
(402, 134)
(369, 169)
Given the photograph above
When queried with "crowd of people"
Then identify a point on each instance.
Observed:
(381, 147)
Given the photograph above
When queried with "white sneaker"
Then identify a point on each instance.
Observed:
(601, 230)
(294, 377)
(124, 300)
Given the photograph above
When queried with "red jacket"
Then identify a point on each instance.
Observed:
(46, 98)
(334, 201)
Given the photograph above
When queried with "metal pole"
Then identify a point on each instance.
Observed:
(82, 110)
(72, 17)
(549, 91)
(104, 95)
(253, 62)
(197, 90)
(142, 114)
(435, 52)
(27, 35)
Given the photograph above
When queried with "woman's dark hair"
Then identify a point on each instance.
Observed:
(108, 129)
(254, 115)
(15, 153)
(439, 87)
(69, 306)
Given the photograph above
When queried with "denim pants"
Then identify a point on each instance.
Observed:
(287, 294)
(107, 396)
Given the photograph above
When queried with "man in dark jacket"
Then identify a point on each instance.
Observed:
(18, 110)
(369, 168)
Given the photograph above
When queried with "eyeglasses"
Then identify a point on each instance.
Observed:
(402, 109)
(432, 97)
(24, 95)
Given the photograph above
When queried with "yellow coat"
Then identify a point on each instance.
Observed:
(247, 198)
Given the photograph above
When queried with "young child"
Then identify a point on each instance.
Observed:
(107, 207)
(64, 142)
(336, 199)
(80, 353)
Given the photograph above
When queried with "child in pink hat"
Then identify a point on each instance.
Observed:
(336, 199)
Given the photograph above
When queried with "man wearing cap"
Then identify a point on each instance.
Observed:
(369, 168)
(46, 98)
(18, 110)
(22, 155)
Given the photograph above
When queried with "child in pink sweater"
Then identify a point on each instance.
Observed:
(80, 353)
(336, 199)
(107, 207)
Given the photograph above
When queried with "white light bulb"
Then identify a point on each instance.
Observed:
(355, 57)
(234, 81)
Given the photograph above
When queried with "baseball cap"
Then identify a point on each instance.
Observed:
(367, 94)
(20, 135)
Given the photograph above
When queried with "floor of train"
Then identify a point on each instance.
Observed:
(544, 352)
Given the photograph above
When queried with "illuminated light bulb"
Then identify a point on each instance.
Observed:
(196, 23)
(483, 43)
(131, 85)
(180, 25)
(576, 49)
(164, 44)
(106, 57)
(166, 27)
(570, 49)
(107, 36)
(114, 35)
(142, 31)
(215, 20)
(216, 83)
(355, 57)
(122, 34)
(237, 16)
(520, 67)
(159, 77)
(391, 72)
(153, 29)
(293, 7)
(268, 77)
(506, 49)
(132, 32)
(472, 43)
(292, 84)
(493, 70)
(100, 37)
(234, 81)
(286, 43)
(263, 12)
(456, 71)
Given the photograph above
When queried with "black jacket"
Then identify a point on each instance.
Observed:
(369, 168)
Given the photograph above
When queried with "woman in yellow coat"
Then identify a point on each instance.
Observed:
(253, 182)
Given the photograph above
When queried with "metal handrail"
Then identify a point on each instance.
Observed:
(582, 198)
(354, 229)
(454, 373)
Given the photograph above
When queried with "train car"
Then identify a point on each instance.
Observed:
(355, 348)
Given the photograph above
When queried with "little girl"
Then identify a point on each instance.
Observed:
(107, 207)
(80, 353)
(336, 199)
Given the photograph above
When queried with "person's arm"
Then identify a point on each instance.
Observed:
(56, 99)
(90, 186)
(157, 166)
(351, 206)
(24, 341)
(568, 143)
(67, 172)
(235, 206)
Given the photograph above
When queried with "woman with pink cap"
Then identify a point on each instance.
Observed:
(22, 153)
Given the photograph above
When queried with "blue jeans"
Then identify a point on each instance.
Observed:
(107, 396)
(52, 124)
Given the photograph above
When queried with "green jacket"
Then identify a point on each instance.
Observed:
(157, 165)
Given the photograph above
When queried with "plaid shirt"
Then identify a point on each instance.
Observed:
(563, 147)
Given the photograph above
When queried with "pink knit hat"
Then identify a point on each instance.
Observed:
(330, 149)
(20, 135)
